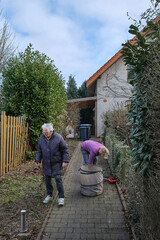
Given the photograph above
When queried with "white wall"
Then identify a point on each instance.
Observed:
(113, 87)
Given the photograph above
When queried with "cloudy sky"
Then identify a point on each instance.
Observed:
(79, 35)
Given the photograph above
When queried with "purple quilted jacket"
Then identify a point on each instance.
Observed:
(53, 152)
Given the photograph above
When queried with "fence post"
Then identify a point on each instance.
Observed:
(1, 160)
(11, 150)
(13, 142)
(7, 148)
(3, 140)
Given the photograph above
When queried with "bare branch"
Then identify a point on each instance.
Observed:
(7, 43)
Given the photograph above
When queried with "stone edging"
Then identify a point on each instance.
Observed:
(125, 209)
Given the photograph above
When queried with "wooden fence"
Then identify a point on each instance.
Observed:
(14, 131)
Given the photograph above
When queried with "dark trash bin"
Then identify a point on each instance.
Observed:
(85, 132)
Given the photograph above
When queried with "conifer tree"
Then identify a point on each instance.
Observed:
(82, 90)
(72, 91)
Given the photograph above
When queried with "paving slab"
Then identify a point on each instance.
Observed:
(88, 218)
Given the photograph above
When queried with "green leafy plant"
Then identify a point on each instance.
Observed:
(30, 155)
(32, 86)
(143, 57)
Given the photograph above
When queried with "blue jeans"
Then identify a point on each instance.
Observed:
(59, 185)
(86, 158)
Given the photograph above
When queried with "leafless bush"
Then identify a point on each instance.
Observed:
(7, 43)
(116, 122)
(73, 113)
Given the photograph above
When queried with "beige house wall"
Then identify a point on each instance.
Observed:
(112, 90)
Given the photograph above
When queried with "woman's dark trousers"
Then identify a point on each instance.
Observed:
(59, 184)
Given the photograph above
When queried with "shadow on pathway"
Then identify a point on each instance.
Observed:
(82, 217)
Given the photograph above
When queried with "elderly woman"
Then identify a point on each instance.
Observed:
(53, 150)
(91, 149)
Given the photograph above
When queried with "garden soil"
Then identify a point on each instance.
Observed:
(23, 188)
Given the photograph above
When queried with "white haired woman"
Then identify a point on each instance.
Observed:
(54, 151)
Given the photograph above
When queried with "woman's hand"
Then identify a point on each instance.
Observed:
(64, 164)
(37, 164)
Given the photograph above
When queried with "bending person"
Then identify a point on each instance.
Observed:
(91, 149)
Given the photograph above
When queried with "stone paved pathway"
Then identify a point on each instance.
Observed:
(86, 218)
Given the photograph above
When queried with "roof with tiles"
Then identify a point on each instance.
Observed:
(112, 60)
(103, 68)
